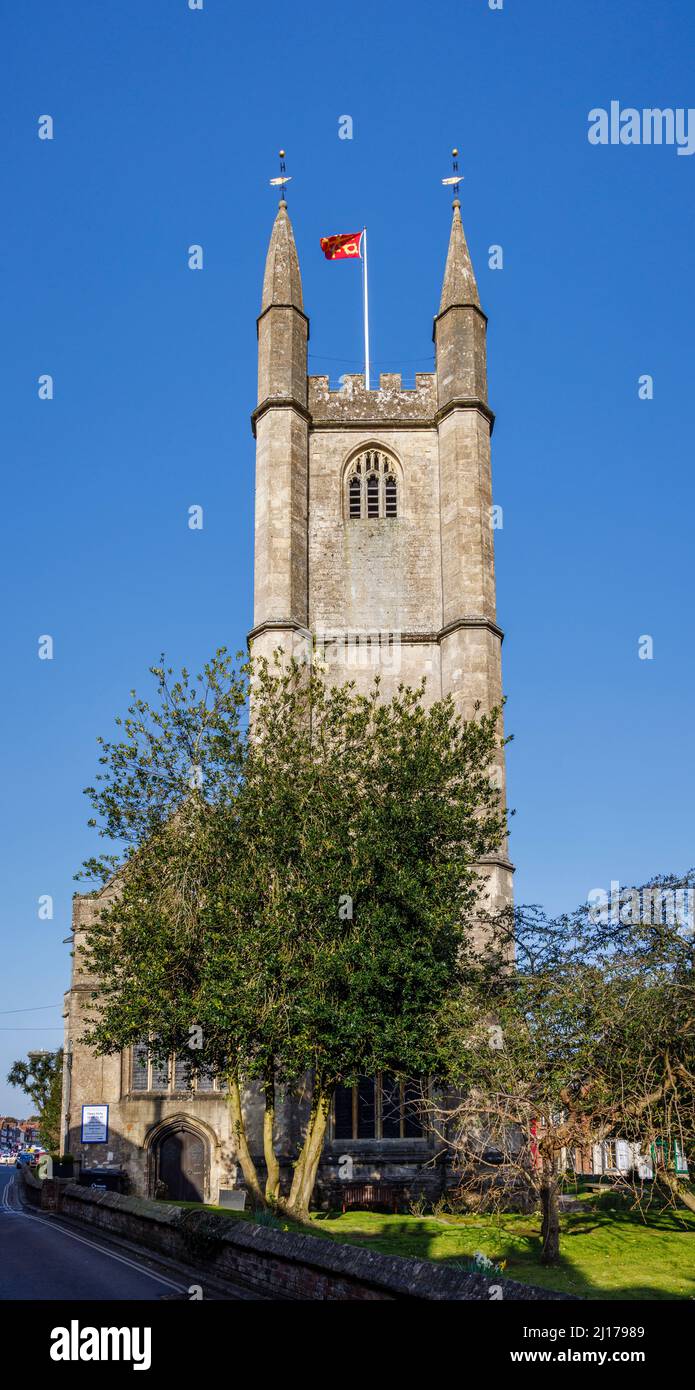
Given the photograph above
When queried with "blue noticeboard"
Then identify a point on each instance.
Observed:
(95, 1124)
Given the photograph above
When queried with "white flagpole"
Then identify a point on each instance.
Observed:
(365, 285)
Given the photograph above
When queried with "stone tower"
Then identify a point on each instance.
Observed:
(373, 533)
(374, 544)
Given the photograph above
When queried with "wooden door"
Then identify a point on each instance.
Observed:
(182, 1166)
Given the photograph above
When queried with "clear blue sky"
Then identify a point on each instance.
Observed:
(167, 123)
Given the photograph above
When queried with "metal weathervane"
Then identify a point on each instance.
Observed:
(283, 177)
(454, 180)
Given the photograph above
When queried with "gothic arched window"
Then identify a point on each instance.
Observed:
(372, 486)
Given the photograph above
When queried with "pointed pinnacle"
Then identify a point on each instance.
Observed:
(459, 279)
(282, 282)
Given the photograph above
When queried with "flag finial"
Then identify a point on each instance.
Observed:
(455, 178)
(282, 180)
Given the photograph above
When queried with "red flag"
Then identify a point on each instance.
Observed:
(346, 246)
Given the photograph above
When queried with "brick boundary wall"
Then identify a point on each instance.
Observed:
(276, 1265)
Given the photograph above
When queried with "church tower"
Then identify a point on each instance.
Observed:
(374, 546)
(373, 534)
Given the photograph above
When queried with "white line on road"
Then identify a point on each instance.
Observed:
(9, 1211)
(122, 1259)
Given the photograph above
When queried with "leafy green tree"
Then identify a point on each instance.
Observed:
(306, 901)
(41, 1078)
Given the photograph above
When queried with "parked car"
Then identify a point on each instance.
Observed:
(25, 1158)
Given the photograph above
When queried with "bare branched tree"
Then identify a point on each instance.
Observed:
(588, 1036)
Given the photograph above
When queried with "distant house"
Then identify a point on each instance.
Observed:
(29, 1131)
(10, 1132)
(614, 1157)
(15, 1133)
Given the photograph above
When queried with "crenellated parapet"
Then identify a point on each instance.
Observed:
(392, 404)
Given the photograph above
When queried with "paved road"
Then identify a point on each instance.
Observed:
(41, 1259)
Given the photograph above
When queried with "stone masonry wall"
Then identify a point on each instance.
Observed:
(276, 1265)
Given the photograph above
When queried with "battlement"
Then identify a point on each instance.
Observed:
(392, 402)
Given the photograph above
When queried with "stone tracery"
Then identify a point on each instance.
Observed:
(372, 488)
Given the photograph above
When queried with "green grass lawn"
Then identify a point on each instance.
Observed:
(605, 1253)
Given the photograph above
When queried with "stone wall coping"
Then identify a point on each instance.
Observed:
(28, 1178)
(157, 1213)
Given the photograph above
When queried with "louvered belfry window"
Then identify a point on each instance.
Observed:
(390, 496)
(372, 488)
(372, 494)
(355, 493)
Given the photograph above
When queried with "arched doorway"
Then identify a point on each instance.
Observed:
(181, 1163)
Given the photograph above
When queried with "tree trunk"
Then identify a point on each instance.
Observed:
(272, 1182)
(550, 1223)
(248, 1166)
(306, 1167)
(315, 1150)
(675, 1187)
(299, 1167)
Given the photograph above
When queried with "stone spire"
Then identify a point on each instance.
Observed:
(282, 282)
(283, 327)
(459, 286)
(469, 639)
(459, 328)
(281, 426)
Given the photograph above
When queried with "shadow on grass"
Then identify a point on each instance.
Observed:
(604, 1254)
(281, 1223)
